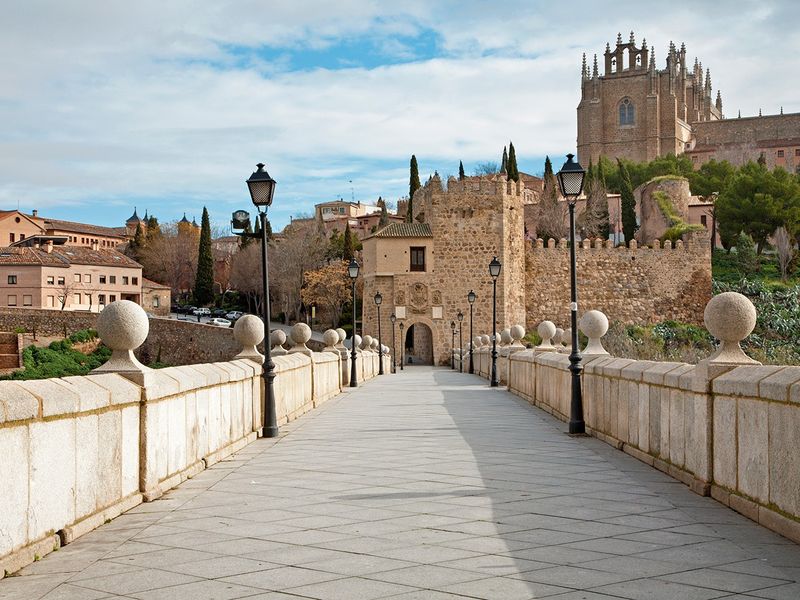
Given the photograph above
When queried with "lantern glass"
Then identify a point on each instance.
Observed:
(471, 297)
(393, 318)
(494, 268)
(453, 325)
(460, 316)
(570, 178)
(378, 298)
(262, 187)
(352, 268)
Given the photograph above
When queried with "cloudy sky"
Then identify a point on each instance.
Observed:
(167, 105)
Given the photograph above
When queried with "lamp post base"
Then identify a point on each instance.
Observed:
(269, 432)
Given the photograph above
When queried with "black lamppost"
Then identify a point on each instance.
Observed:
(262, 190)
(352, 271)
(471, 299)
(378, 300)
(453, 345)
(393, 318)
(460, 317)
(570, 180)
(494, 271)
(402, 346)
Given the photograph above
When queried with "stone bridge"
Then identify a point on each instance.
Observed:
(422, 484)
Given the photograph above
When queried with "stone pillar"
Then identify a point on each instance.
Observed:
(345, 356)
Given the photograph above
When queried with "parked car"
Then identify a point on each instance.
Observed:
(233, 315)
(219, 322)
(219, 312)
(201, 312)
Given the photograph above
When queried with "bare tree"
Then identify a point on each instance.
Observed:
(245, 275)
(551, 218)
(784, 246)
(171, 258)
(486, 168)
(64, 290)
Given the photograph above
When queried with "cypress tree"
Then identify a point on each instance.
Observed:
(504, 163)
(153, 229)
(347, 246)
(137, 244)
(384, 220)
(268, 227)
(548, 168)
(413, 186)
(460, 170)
(246, 240)
(512, 170)
(204, 282)
(629, 226)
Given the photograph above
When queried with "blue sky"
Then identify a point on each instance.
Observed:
(168, 106)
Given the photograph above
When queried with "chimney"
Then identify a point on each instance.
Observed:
(48, 247)
(35, 213)
(95, 245)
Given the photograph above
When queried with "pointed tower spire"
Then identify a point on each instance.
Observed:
(633, 39)
(644, 43)
(584, 71)
(652, 64)
(781, 110)
(719, 101)
(759, 112)
(708, 81)
(740, 113)
(619, 39)
(608, 47)
(594, 67)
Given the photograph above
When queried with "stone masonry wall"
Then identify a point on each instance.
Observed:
(633, 285)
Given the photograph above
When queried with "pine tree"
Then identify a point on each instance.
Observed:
(512, 170)
(413, 186)
(347, 246)
(460, 170)
(247, 238)
(504, 163)
(153, 229)
(629, 225)
(204, 282)
(137, 244)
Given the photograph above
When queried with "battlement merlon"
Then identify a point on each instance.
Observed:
(692, 241)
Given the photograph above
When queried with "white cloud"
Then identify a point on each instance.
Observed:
(118, 100)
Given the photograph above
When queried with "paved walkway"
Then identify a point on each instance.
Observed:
(423, 485)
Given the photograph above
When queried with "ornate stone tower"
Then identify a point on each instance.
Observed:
(638, 112)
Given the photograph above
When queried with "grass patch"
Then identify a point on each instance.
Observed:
(60, 359)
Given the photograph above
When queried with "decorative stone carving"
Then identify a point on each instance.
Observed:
(547, 331)
(400, 297)
(437, 298)
(418, 300)
(366, 343)
(485, 340)
(505, 337)
(331, 338)
(517, 333)
(249, 331)
(277, 339)
(123, 326)
(342, 336)
(594, 325)
(730, 317)
(355, 340)
(301, 333)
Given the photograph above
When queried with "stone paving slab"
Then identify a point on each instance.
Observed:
(427, 485)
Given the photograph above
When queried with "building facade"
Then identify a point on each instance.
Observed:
(636, 111)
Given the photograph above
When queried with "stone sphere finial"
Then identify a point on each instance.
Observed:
(485, 340)
(558, 337)
(249, 331)
(122, 326)
(277, 339)
(594, 325)
(505, 337)
(300, 334)
(366, 342)
(730, 317)
(517, 333)
(342, 337)
(356, 341)
(546, 331)
(374, 344)
(566, 340)
(478, 341)
(331, 338)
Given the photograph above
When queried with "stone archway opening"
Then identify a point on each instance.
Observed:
(419, 345)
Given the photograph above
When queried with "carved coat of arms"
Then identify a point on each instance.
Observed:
(418, 297)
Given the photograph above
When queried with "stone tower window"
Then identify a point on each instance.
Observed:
(626, 114)
(417, 258)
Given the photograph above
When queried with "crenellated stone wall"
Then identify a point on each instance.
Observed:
(632, 285)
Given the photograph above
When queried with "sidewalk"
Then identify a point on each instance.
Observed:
(426, 484)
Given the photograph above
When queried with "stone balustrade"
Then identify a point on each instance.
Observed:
(78, 451)
(727, 427)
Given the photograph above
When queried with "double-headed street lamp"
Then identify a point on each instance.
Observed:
(378, 300)
(453, 345)
(262, 190)
(402, 346)
(393, 318)
(460, 317)
(352, 271)
(570, 180)
(471, 299)
(494, 271)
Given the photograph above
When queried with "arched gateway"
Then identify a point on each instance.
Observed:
(419, 344)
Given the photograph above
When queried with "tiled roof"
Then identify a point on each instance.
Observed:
(405, 230)
(63, 256)
(150, 284)
(84, 228)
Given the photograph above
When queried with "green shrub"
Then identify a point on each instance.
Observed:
(59, 359)
(20, 330)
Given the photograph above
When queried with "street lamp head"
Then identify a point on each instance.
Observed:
(240, 220)
(453, 325)
(401, 327)
(352, 268)
(570, 179)
(393, 318)
(471, 297)
(460, 316)
(494, 268)
(262, 187)
(378, 298)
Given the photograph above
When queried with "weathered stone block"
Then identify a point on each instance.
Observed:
(52, 476)
(87, 468)
(55, 399)
(14, 489)
(725, 451)
(778, 385)
(784, 460)
(753, 444)
(677, 424)
(17, 403)
(110, 458)
(744, 380)
(130, 450)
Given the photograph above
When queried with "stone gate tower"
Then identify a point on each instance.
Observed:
(638, 112)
